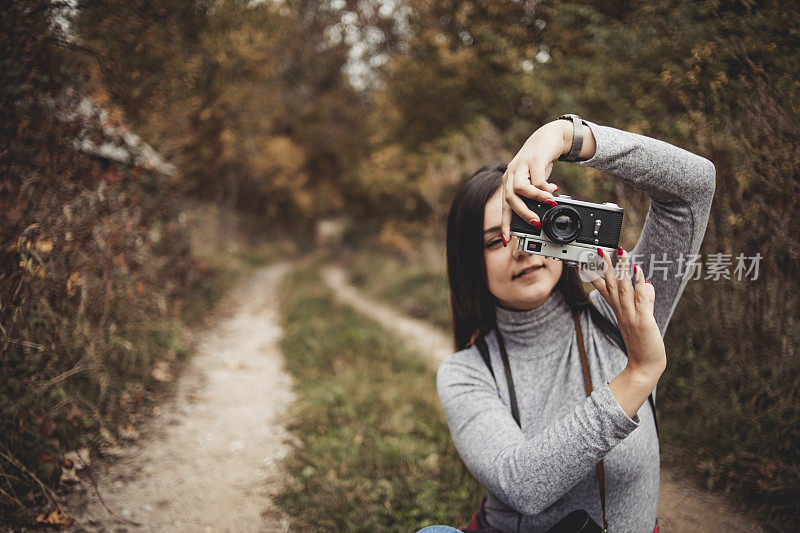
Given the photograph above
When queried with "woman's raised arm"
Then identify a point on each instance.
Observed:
(680, 185)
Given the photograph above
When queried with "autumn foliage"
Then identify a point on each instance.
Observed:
(252, 103)
(94, 266)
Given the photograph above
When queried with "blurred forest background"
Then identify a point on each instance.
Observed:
(283, 113)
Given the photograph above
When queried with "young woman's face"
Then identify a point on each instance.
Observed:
(520, 281)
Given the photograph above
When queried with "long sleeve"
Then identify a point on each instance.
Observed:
(681, 186)
(527, 473)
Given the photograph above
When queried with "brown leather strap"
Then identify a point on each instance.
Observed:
(587, 380)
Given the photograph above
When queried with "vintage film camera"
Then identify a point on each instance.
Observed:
(571, 231)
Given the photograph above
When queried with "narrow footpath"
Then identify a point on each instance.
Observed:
(211, 459)
(682, 506)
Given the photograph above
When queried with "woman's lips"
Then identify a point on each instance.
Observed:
(526, 271)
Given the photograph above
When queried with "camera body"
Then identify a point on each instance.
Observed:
(571, 231)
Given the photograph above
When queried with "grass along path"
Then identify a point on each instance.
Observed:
(210, 458)
(375, 453)
(682, 505)
(428, 341)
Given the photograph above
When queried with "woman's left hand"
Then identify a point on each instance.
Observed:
(528, 172)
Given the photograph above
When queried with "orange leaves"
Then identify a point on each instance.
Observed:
(73, 282)
(72, 462)
(56, 517)
(282, 152)
(43, 245)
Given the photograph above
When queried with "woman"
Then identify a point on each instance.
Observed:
(538, 472)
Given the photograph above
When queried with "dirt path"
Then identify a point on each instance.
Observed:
(211, 459)
(682, 506)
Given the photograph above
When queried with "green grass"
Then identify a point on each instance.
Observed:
(416, 288)
(220, 273)
(376, 454)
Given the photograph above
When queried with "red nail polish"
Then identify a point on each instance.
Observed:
(556, 189)
(600, 252)
(648, 282)
(550, 202)
(536, 224)
(619, 250)
(634, 269)
(505, 243)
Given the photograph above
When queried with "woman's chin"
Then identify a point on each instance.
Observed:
(529, 295)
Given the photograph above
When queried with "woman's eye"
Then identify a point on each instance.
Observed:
(493, 243)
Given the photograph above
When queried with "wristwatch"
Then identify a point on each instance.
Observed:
(577, 138)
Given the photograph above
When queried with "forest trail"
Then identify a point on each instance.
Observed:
(682, 506)
(212, 458)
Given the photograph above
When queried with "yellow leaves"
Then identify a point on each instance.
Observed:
(304, 199)
(743, 178)
(206, 113)
(40, 244)
(249, 43)
(282, 152)
(393, 234)
(73, 282)
(384, 173)
(387, 155)
(43, 244)
(230, 144)
(639, 127)
(32, 266)
(281, 164)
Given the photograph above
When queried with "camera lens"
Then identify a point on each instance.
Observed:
(562, 224)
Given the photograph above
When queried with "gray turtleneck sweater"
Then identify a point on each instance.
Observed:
(547, 468)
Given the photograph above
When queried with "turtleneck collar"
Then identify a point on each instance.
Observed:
(544, 328)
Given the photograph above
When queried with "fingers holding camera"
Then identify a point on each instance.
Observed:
(609, 281)
(505, 222)
(645, 346)
(540, 170)
(624, 285)
(598, 281)
(644, 292)
(627, 299)
(638, 325)
(511, 200)
(524, 185)
(518, 182)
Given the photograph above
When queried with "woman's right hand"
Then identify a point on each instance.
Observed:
(633, 308)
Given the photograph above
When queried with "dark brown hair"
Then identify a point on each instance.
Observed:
(471, 302)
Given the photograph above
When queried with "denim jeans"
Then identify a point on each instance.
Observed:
(438, 529)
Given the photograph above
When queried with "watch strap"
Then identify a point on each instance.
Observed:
(577, 138)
